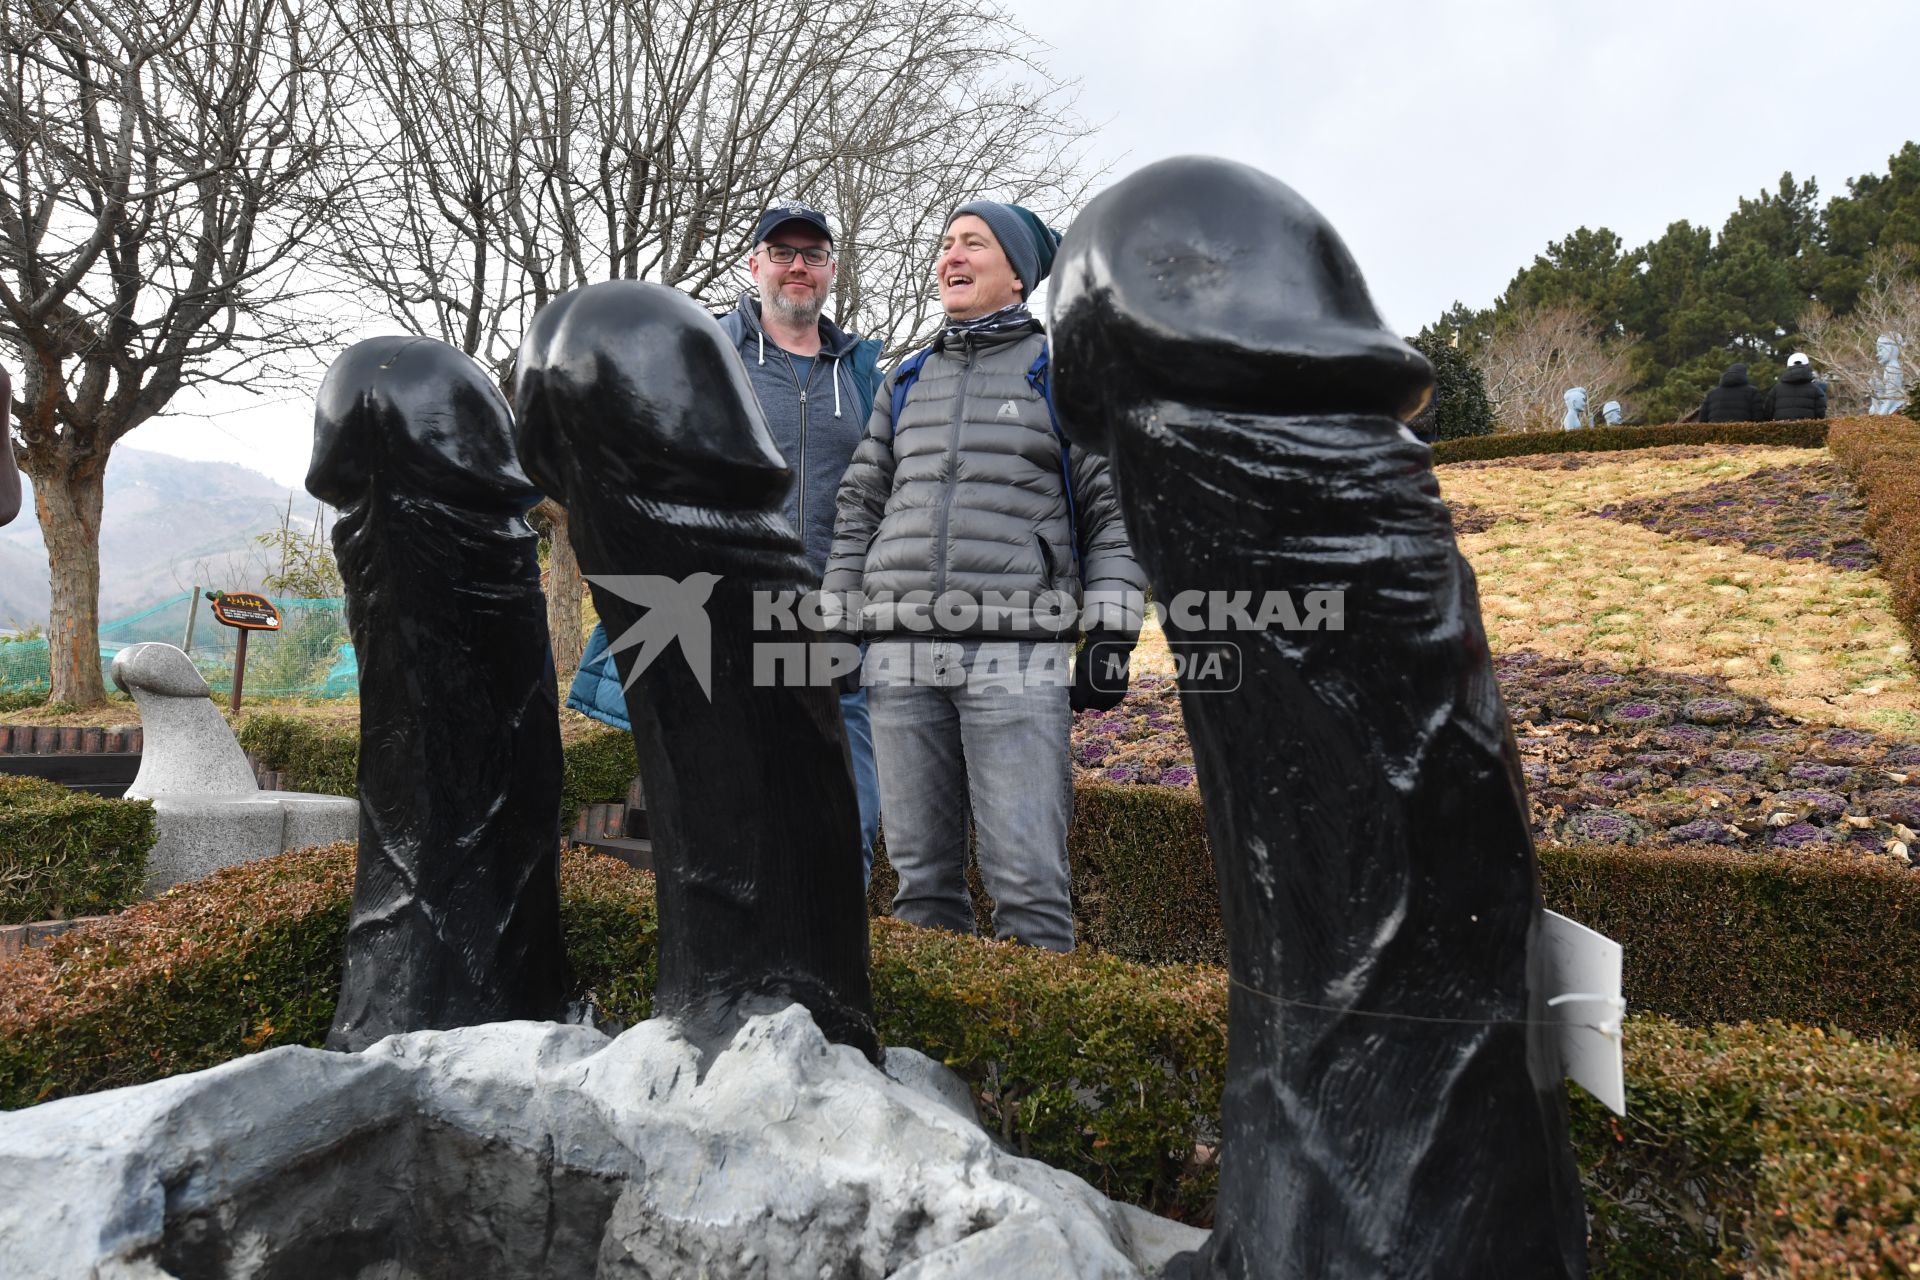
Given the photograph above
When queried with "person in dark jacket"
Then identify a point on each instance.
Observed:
(1734, 400)
(815, 384)
(1798, 394)
(961, 526)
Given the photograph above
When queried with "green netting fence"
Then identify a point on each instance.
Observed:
(310, 656)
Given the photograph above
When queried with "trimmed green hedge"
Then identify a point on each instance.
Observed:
(1799, 435)
(1768, 1147)
(314, 757)
(1882, 455)
(597, 769)
(1710, 934)
(66, 853)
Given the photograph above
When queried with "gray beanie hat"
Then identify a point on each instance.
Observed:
(1028, 242)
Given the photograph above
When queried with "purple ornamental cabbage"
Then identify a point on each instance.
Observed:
(1640, 713)
(1801, 834)
(1717, 711)
(1701, 831)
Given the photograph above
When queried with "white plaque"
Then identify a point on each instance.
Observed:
(1583, 973)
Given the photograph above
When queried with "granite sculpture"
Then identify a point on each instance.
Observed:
(1393, 1102)
(208, 811)
(456, 908)
(632, 411)
(1611, 413)
(1576, 415)
(1889, 393)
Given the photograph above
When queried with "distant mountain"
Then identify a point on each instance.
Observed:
(167, 524)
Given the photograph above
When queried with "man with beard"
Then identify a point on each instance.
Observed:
(815, 384)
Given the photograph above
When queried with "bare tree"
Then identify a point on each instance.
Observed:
(1843, 347)
(1539, 354)
(523, 152)
(157, 199)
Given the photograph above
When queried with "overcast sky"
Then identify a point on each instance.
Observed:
(1448, 142)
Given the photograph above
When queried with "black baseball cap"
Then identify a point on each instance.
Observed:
(790, 211)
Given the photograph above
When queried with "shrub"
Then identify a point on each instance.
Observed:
(1798, 435)
(1882, 455)
(1710, 934)
(66, 853)
(314, 757)
(1772, 1145)
(597, 769)
(1460, 406)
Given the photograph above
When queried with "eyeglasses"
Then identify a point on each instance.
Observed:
(813, 255)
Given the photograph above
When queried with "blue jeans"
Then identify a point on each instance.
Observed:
(866, 783)
(957, 731)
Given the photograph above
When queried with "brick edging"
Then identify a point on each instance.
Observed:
(60, 740)
(16, 938)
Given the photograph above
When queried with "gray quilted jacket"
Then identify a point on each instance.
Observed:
(964, 498)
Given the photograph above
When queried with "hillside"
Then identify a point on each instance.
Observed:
(167, 523)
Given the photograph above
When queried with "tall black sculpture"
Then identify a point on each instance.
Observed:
(1393, 1102)
(634, 412)
(9, 473)
(456, 899)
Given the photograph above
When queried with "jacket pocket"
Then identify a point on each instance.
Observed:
(1046, 561)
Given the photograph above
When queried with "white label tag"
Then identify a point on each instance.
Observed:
(1583, 972)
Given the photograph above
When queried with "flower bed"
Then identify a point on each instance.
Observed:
(1767, 1147)
(1807, 511)
(1626, 757)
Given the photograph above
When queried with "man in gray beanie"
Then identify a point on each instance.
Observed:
(962, 519)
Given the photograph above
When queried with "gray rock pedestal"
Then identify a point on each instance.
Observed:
(525, 1148)
(208, 810)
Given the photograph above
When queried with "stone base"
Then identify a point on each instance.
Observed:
(200, 833)
(540, 1149)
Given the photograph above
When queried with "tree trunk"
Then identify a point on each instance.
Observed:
(68, 501)
(563, 597)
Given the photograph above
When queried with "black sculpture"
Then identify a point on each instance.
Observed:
(9, 474)
(1393, 1102)
(456, 899)
(635, 413)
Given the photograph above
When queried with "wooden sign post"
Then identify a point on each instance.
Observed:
(243, 611)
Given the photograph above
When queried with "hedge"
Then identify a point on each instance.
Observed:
(1798, 435)
(597, 769)
(66, 853)
(1882, 456)
(1710, 934)
(1772, 1147)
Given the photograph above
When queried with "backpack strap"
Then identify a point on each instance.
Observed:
(1038, 380)
(903, 380)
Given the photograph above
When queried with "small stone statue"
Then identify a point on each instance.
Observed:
(1889, 388)
(1576, 418)
(634, 412)
(9, 474)
(1611, 413)
(456, 899)
(1393, 1102)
